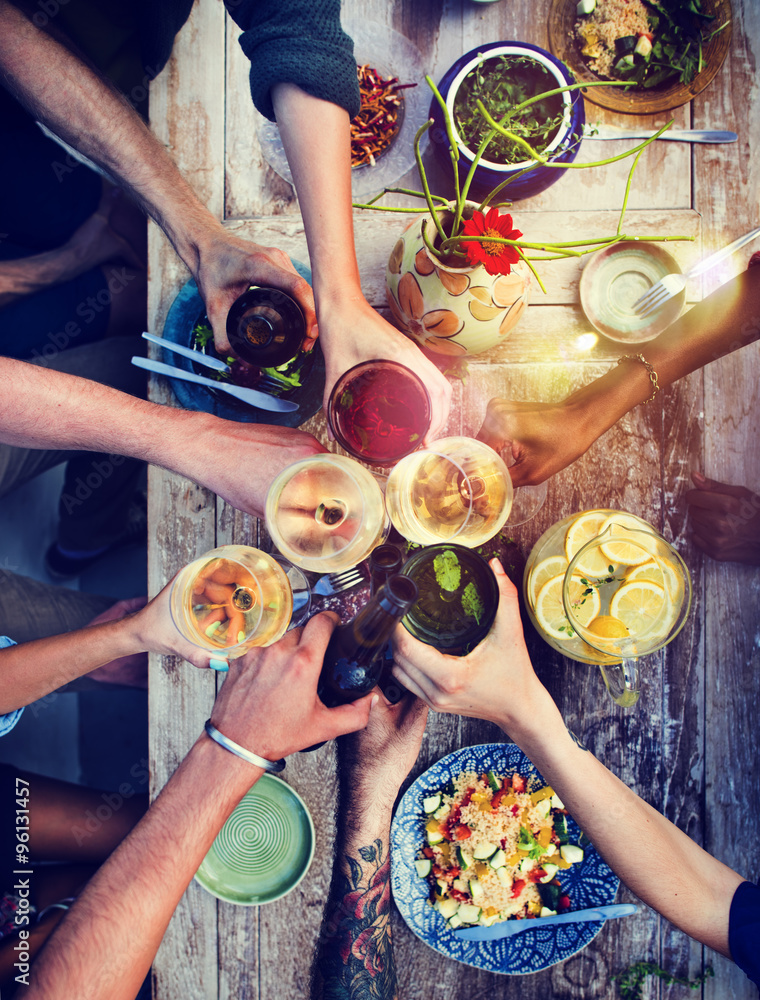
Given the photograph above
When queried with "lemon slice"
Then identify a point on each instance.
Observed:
(583, 529)
(608, 627)
(663, 573)
(550, 611)
(638, 545)
(543, 571)
(638, 604)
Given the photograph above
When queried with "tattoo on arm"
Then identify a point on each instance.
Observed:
(576, 741)
(354, 954)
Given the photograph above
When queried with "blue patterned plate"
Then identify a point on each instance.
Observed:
(590, 883)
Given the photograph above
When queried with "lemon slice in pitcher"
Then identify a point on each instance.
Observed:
(582, 530)
(660, 571)
(543, 571)
(550, 611)
(634, 543)
(638, 604)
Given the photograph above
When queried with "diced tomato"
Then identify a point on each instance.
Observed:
(564, 903)
(498, 796)
(428, 852)
(460, 897)
(453, 872)
(535, 875)
(503, 843)
(466, 797)
(462, 832)
(517, 887)
(515, 809)
(438, 871)
(519, 784)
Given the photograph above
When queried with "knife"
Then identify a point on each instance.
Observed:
(187, 352)
(675, 135)
(253, 397)
(506, 928)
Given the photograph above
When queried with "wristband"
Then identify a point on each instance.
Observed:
(273, 766)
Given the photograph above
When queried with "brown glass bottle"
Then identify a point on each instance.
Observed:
(354, 656)
(266, 327)
(384, 562)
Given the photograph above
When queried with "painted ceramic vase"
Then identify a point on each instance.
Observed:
(451, 310)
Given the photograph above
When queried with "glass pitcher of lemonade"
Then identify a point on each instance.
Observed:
(604, 587)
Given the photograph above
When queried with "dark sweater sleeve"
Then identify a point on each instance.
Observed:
(744, 930)
(300, 42)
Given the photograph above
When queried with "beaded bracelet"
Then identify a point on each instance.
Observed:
(274, 766)
(650, 371)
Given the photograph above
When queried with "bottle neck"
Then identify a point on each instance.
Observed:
(373, 625)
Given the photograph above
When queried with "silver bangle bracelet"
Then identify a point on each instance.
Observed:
(274, 766)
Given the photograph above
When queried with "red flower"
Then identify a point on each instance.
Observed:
(497, 257)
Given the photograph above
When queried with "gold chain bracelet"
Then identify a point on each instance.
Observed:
(650, 371)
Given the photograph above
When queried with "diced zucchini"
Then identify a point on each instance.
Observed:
(527, 864)
(626, 44)
(643, 46)
(502, 874)
(431, 803)
(455, 921)
(546, 912)
(571, 853)
(493, 779)
(441, 812)
(484, 850)
(551, 849)
(448, 907)
(585, 7)
(625, 64)
(551, 870)
(544, 807)
(443, 885)
(487, 921)
(557, 802)
(468, 913)
(476, 890)
(460, 884)
(498, 860)
(434, 837)
(465, 858)
(549, 894)
(423, 867)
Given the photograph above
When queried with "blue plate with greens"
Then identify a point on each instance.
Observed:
(187, 324)
(589, 883)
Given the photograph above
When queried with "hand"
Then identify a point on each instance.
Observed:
(117, 229)
(239, 461)
(354, 332)
(153, 629)
(228, 266)
(725, 520)
(544, 438)
(131, 670)
(269, 704)
(496, 678)
(378, 758)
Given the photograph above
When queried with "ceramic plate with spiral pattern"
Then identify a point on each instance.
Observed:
(590, 883)
(263, 850)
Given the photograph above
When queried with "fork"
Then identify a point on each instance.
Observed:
(672, 284)
(336, 583)
(265, 383)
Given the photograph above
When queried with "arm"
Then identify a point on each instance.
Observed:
(725, 520)
(315, 134)
(653, 857)
(354, 955)
(84, 110)
(546, 437)
(49, 409)
(269, 705)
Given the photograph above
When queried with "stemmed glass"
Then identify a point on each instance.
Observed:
(326, 513)
(527, 500)
(231, 599)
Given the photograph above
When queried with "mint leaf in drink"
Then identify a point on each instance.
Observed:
(471, 602)
(448, 572)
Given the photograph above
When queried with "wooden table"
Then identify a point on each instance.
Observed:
(690, 746)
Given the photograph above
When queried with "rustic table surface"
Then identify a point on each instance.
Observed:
(690, 745)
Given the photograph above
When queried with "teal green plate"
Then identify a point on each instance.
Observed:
(263, 850)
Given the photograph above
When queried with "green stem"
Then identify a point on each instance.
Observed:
(423, 177)
(533, 271)
(453, 147)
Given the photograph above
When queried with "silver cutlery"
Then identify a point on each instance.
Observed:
(673, 135)
(336, 583)
(265, 383)
(507, 928)
(672, 284)
(261, 400)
